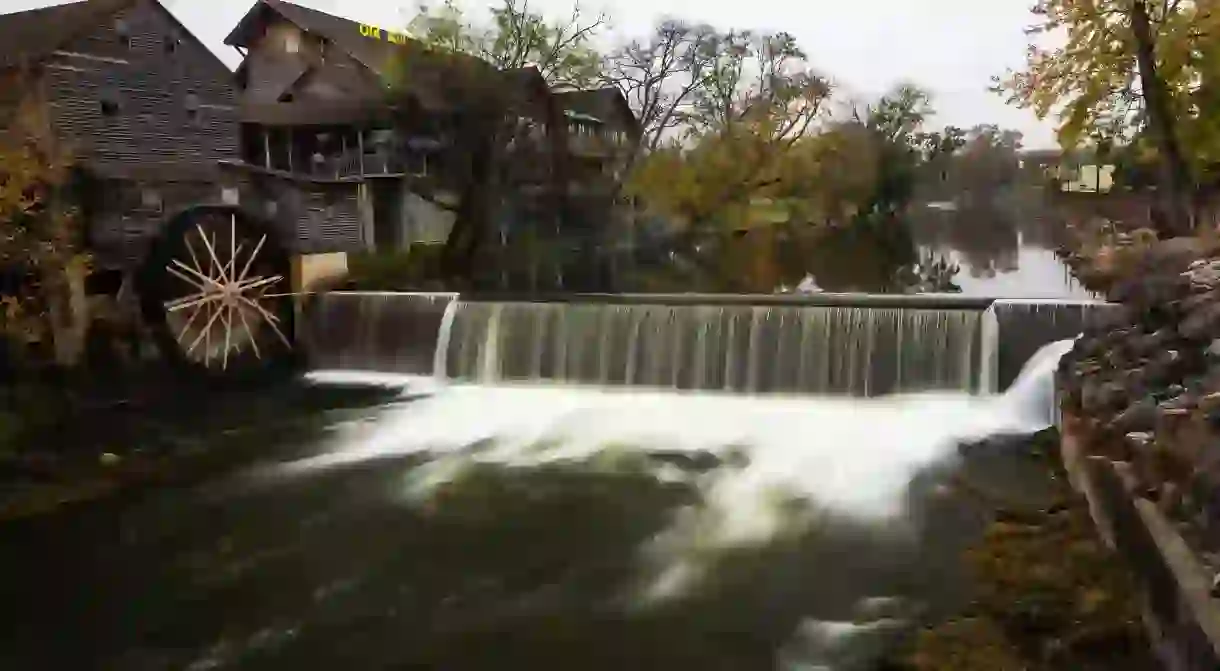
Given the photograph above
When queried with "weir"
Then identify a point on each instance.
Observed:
(838, 344)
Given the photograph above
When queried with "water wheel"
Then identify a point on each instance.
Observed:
(215, 290)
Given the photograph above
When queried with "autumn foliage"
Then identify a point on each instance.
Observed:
(41, 240)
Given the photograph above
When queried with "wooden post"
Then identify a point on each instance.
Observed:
(291, 146)
(360, 148)
(266, 148)
(342, 153)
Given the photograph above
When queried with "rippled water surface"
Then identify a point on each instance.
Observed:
(492, 527)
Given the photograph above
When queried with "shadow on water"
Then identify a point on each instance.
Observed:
(543, 566)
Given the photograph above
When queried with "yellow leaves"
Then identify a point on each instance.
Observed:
(1090, 81)
(39, 230)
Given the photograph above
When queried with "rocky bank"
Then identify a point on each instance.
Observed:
(1142, 385)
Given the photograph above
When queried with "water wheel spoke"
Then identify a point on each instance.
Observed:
(190, 250)
(268, 317)
(232, 264)
(207, 329)
(214, 264)
(201, 286)
(228, 324)
(201, 276)
(290, 294)
(219, 315)
(199, 308)
(250, 261)
(249, 331)
(191, 301)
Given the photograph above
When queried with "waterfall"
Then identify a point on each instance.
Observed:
(387, 332)
(855, 345)
(1023, 326)
(860, 351)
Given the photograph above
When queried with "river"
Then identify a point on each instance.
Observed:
(658, 484)
(446, 525)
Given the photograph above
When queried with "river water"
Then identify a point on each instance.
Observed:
(653, 483)
(447, 525)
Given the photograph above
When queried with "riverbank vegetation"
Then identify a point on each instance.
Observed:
(1048, 595)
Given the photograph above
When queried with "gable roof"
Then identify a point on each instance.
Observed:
(29, 37)
(375, 54)
(603, 104)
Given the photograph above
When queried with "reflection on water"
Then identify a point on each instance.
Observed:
(527, 527)
(1002, 245)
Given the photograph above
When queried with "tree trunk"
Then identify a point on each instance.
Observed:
(1175, 176)
(473, 218)
(68, 314)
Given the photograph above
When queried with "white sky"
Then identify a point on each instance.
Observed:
(951, 47)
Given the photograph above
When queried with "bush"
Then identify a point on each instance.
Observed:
(413, 269)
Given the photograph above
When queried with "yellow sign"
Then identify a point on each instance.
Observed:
(373, 32)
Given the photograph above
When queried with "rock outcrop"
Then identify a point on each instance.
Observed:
(1144, 380)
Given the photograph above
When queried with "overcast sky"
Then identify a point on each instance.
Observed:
(951, 47)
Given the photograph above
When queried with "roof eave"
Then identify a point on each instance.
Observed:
(238, 37)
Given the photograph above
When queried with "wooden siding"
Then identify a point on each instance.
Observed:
(317, 70)
(154, 91)
(122, 224)
(311, 217)
(176, 109)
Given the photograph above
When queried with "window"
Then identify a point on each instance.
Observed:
(292, 42)
(170, 43)
(109, 102)
(229, 195)
(191, 103)
(123, 32)
(150, 199)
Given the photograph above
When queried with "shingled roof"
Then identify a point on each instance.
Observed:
(31, 36)
(376, 54)
(604, 104)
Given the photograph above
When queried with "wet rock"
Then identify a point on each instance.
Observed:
(1113, 395)
(1138, 417)
(1202, 322)
(1196, 301)
(1150, 343)
(1139, 440)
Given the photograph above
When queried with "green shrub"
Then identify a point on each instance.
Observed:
(412, 269)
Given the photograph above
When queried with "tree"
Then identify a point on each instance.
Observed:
(518, 37)
(494, 82)
(41, 240)
(756, 100)
(660, 78)
(1127, 66)
(905, 148)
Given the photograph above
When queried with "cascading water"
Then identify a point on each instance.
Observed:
(840, 344)
(853, 459)
(391, 332)
(858, 351)
(655, 390)
(1021, 327)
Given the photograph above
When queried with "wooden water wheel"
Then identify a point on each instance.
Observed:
(215, 290)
